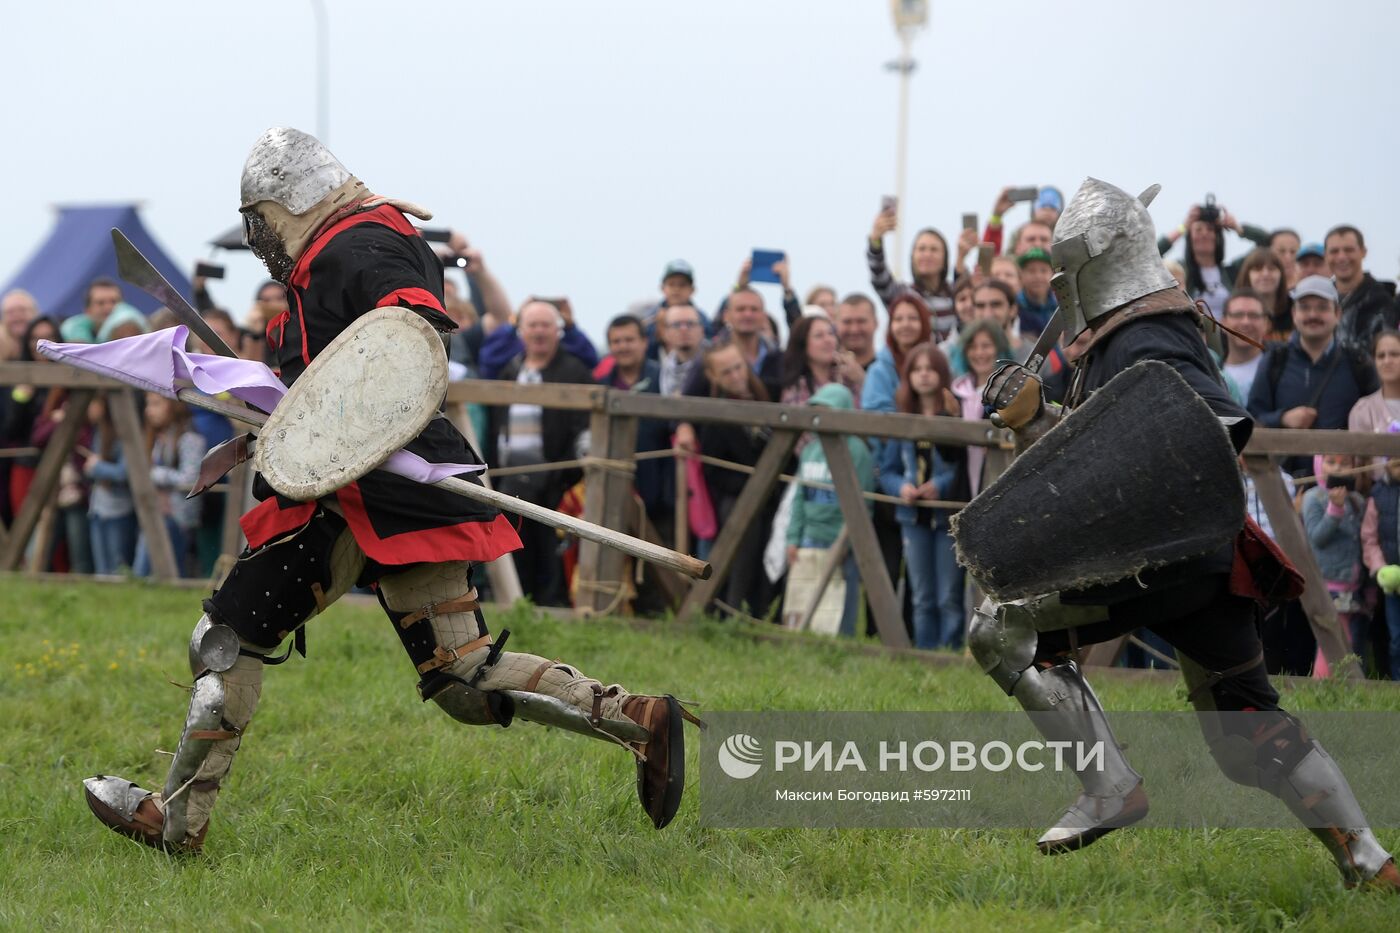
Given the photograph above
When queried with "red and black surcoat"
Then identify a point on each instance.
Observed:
(374, 259)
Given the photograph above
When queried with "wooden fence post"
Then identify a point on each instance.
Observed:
(122, 404)
(607, 501)
(681, 463)
(1288, 532)
(751, 500)
(45, 483)
(889, 615)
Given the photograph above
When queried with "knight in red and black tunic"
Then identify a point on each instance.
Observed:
(373, 259)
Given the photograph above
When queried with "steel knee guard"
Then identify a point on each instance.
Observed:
(1002, 638)
(225, 694)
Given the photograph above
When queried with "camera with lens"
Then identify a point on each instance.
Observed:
(1209, 212)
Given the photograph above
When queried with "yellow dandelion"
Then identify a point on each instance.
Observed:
(112, 666)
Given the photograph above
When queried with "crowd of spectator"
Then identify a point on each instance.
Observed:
(1330, 358)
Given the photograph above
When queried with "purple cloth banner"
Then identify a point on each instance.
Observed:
(156, 361)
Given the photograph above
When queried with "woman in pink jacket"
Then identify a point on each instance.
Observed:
(1379, 412)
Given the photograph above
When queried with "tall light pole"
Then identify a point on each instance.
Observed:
(909, 17)
(323, 55)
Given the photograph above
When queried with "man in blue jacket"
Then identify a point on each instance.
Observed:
(1313, 380)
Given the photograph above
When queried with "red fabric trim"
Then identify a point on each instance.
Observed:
(268, 520)
(473, 541)
(279, 322)
(386, 214)
(412, 296)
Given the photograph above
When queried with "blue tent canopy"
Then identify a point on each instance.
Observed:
(79, 249)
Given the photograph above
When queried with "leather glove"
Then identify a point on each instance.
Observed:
(1013, 395)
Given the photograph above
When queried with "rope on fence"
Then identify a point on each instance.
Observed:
(629, 467)
(625, 467)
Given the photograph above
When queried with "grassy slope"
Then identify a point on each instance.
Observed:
(354, 805)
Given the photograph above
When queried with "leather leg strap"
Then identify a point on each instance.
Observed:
(465, 603)
(534, 680)
(596, 716)
(1218, 677)
(445, 656)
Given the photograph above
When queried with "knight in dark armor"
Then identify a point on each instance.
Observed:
(342, 251)
(1188, 581)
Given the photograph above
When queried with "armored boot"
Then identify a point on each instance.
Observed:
(225, 694)
(1064, 709)
(1317, 793)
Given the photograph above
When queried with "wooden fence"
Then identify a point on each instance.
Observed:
(614, 417)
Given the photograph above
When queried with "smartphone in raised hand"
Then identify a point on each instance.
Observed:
(889, 204)
(1023, 194)
(969, 221)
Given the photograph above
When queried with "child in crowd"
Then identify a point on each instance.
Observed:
(111, 511)
(1332, 513)
(176, 452)
(921, 470)
(816, 520)
(1380, 547)
(731, 377)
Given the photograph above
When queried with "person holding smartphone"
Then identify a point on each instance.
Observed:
(929, 264)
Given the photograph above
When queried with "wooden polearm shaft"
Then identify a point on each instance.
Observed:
(636, 547)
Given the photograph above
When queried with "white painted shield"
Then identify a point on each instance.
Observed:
(370, 392)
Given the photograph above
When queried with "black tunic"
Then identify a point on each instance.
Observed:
(368, 260)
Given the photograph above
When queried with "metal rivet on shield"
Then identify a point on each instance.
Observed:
(361, 350)
(335, 458)
(301, 415)
(282, 435)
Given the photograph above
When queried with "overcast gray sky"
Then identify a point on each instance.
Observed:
(583, 145)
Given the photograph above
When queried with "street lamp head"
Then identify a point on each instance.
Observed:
(909, 14)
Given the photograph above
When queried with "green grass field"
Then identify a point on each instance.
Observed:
(355, 806)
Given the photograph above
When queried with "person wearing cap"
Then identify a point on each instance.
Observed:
(1313, 380)
(1035, 301)
(677, 288)
(1311, 260)
(1368, 305)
